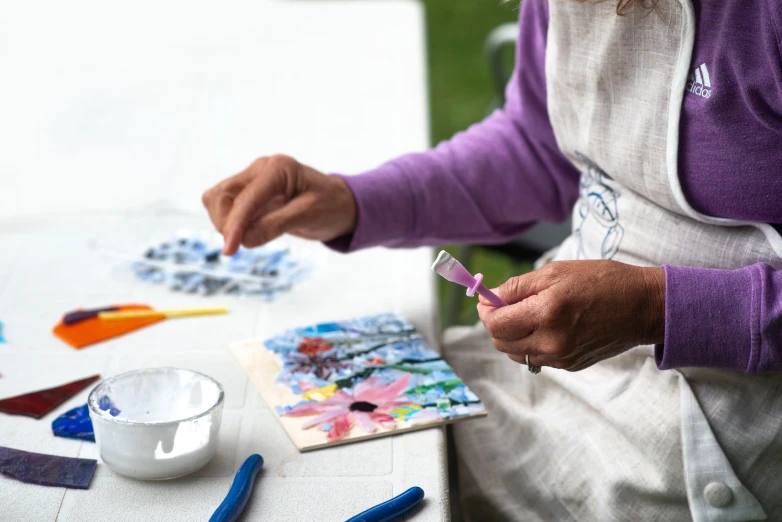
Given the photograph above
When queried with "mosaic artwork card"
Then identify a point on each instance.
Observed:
(193, 263)
(340, 382)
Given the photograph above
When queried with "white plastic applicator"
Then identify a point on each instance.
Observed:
(446, 266)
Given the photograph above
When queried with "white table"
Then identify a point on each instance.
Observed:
(113, 125)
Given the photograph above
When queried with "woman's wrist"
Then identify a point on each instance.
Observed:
(345, 207)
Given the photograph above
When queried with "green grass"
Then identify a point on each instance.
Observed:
(462, 93)
(460, 83)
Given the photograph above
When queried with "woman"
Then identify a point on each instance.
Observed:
(661, 130)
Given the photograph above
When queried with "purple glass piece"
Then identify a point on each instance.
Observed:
(82, 315)
(46, 470)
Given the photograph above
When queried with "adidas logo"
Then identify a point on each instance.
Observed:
(699, 82)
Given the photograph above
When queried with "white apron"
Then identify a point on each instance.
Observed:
(623, 440)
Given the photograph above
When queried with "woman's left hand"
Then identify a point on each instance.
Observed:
(573, 314)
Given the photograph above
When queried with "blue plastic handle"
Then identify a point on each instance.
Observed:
(391, 509)
(239, 494)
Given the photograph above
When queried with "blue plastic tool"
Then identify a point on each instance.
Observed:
(391, 509)
(239, 494)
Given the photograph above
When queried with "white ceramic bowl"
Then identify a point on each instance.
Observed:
(167, 425)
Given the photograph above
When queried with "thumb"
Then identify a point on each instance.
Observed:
(518, 288)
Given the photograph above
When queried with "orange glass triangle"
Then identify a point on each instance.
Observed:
(91, 331)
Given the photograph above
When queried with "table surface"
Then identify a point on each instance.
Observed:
(117, 123)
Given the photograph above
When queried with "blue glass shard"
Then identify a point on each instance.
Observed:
(76, 423)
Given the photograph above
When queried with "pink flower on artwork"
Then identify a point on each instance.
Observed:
(367, 407)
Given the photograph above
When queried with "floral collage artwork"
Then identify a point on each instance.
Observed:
(367, 377)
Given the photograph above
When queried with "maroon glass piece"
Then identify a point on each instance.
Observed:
(37, 404)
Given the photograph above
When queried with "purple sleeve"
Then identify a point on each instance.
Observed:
(500, 176)
(487, 184)
(723, 319)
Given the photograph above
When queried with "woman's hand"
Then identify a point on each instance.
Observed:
(572, 314)
(278, 195)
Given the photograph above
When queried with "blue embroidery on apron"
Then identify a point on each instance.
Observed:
(597, 207)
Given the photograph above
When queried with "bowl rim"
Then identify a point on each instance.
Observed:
(91, 398)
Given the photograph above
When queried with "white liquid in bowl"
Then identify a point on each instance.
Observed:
(167, 425)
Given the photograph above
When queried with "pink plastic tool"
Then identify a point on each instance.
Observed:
(454, 271)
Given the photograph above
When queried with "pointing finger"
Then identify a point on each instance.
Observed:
(219, 199)
(250, 202)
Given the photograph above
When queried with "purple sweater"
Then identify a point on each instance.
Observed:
(730, 165)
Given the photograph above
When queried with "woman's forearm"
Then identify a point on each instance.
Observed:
(486, 184)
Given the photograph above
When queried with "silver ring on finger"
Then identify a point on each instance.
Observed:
(533, 368)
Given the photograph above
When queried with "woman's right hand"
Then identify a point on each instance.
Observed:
(277, 195)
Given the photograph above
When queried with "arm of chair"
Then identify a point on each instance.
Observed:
(502, 36)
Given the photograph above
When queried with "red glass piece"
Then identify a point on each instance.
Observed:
(37, 404)
(313, 346)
